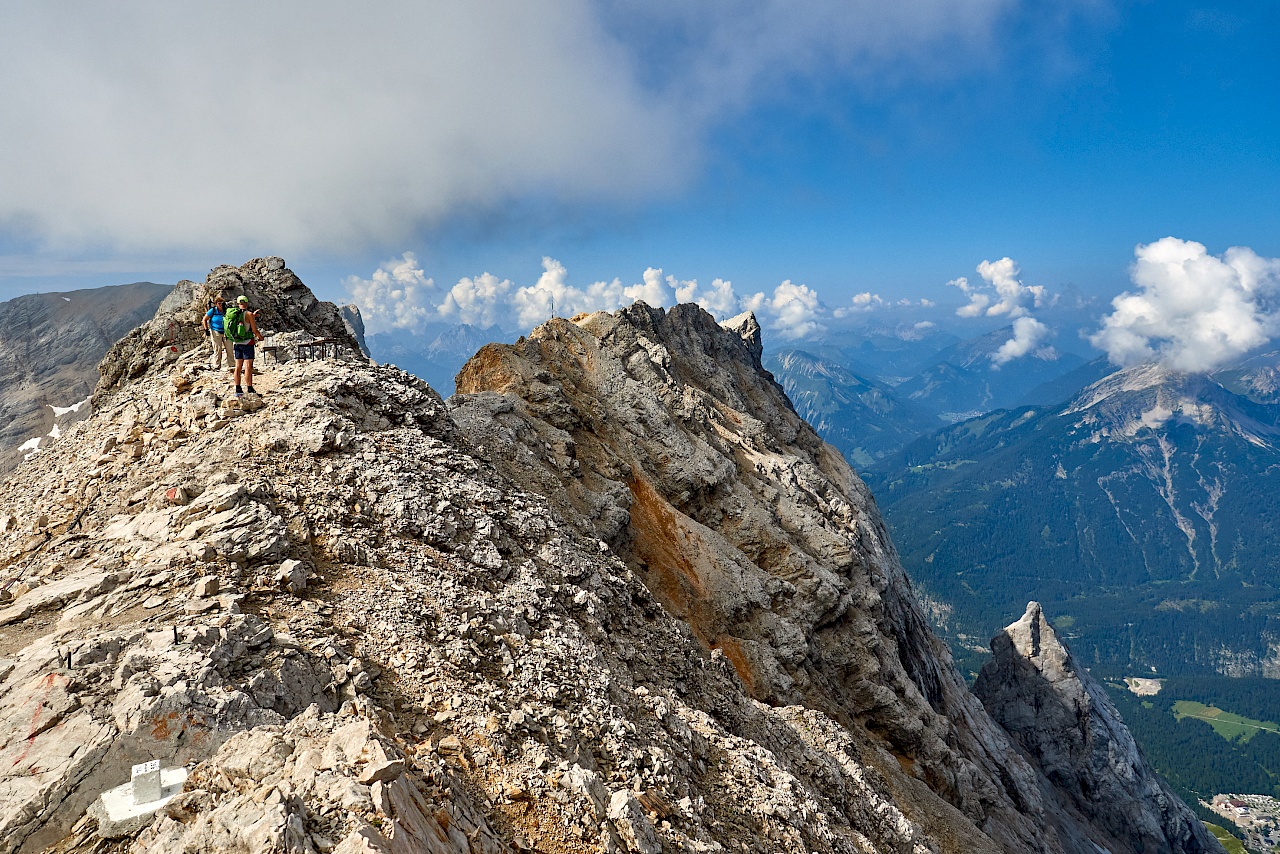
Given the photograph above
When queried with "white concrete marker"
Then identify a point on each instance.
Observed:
(123, 810)
(146, 782)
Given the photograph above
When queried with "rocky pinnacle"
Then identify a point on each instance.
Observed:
(1065, 724)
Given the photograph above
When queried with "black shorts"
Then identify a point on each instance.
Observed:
(244, 351)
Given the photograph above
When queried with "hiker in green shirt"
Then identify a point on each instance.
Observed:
(242, 329)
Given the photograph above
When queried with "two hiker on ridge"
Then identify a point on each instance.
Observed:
(240, 328)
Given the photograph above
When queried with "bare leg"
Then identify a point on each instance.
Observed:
(239, 367)
(248, 373)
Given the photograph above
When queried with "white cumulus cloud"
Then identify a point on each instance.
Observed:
(1001, 291)
(978, 301)
(479, 301)
(794, 311)
(1029, 335)
(653, 290)
(400, 296)
(720, 299)
(865, 301)
(550, 295)
(397, 296)
(1193, 311)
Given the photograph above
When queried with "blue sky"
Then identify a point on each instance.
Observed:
(1152, 120)
(835, 145)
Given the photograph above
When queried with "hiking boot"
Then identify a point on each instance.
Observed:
(239, 392)
(251, 390)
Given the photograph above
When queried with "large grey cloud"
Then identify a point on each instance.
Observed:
(295, 125)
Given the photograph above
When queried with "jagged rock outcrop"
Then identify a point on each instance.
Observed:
(282, 301)
(1063, 721)
(50, 346)
(662, 431)
(354, 322)
(622, 601)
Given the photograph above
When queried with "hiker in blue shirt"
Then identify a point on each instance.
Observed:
(215, 325)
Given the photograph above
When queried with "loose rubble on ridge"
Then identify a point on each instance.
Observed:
(361, 633)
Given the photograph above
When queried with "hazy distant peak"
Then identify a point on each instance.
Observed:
(354, 323)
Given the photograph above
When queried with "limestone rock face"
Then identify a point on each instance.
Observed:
(1063, 721)
(663, 435)
(615, 598)
(660, 433)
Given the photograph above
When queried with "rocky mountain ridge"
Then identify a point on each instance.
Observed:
(861, 417)
(1123, 404)
(615, 596)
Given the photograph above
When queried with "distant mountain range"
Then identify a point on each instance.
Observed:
(434, 352)
(870, 397)
(1257, 377)
(50, 346)
(1141, 513)
(894, 357)
(862, 417)
(965, 380)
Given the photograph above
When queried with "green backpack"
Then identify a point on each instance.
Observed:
(237, 325)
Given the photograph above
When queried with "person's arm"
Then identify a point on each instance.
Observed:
(253, 324)
(205, 322)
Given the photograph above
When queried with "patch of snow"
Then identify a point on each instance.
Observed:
(31, 446)
(66, 299)
(1154, 418)
(56, 432)
(59, 411)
